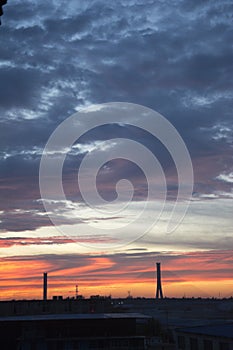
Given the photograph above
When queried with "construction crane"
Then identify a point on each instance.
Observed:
(2, 2)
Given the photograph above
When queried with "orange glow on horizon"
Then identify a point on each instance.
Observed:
(22, 278)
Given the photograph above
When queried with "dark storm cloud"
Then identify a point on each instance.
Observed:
(175, 57)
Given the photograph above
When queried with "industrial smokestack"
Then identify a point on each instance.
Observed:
(45, 286)
(159, 292)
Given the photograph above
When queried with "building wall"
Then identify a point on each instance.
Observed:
(36, 307)
(185, 341)
(73, 334)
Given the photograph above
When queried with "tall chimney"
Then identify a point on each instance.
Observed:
(45, 286)
(159, 292)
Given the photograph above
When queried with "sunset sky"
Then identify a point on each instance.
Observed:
(60, 57)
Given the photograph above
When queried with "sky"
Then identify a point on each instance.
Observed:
(58, 58)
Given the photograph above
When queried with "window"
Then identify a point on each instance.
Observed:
(193, 344)
(181, 342)
(224, 346)
(208, 344)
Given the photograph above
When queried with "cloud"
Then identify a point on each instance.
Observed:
(182, 271)
(59, 57)
(7, 242)
(11, 241)
(226, 177)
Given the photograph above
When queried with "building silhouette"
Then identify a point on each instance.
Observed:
(45, 286)
(159, 292)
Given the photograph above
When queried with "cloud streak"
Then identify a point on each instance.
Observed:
(58, 57)
(107, 273)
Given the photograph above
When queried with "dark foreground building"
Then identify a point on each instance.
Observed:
(74, 332)
(209, 337)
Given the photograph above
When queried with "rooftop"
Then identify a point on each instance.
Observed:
(220, 330)
(73, 317)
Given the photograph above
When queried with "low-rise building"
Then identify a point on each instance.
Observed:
(208, 337)
(74, 331)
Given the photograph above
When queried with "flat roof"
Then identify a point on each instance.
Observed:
(224, 330)
(47, 317)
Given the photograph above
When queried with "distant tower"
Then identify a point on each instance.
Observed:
(45, 286)
(159, 292)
